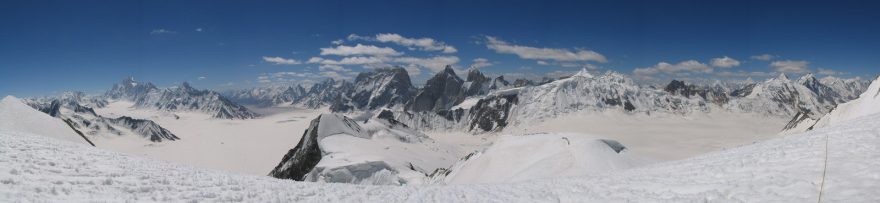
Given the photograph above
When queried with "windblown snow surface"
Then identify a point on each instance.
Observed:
(834, 164)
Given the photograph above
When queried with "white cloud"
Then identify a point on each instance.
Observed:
(337, 42)
(202, 78)
(823, 71)
(353, 37)
(481, 63)
(435, 64)
(741, 73)
(161, 31)
(359, 49)
(334, 75)
(681, 68)
(763, 57)
(334, 68)
(789, 66)
(413, 70)
(725, 62)
(425, 44)
(534, 53)
(199, 30)
(356, 60)
(281, 61)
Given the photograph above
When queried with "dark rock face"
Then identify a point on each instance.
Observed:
(52, 108)
(798, 118)
(389, 116)
(300, 160)
(744, 91)
(614, 145)
(385, 87)
(477, 83)
(491, 114)
(84, 120)
(325, 93)
(146, 128)
(131, 89)
(522, 83)
(441, 92)
(823, 93)
(715, 94)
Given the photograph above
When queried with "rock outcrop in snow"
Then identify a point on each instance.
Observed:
(338, 149)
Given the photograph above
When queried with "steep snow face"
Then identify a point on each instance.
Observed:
(16, 116)
(584, 92)
(868, 103)
(541, 156)
(338, 149)
(849, 88)
(783, 97)
(786, 169)
(267, 96)
(441, 92)
(386, 87)
(83, 99)
(325, 94)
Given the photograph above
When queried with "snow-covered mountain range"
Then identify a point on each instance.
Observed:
(866, 104)
(479, 103)
(180, 98)
(86, 121)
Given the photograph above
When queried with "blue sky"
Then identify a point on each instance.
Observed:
(51, 46)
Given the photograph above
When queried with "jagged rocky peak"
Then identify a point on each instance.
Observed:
(474, 74)
(476, 83)
(128, 88)
(181, 98)
(441, 92)
(384, 87)
(782, 77)
(522, 82)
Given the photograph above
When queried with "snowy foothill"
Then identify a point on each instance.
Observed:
(541, 156)
(17, 116)
(785, 169)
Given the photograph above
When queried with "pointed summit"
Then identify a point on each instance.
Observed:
(782, 76)
(583, 73)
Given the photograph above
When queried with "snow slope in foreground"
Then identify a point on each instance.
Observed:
(786, 169)
(15, 115)
(541, 156)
